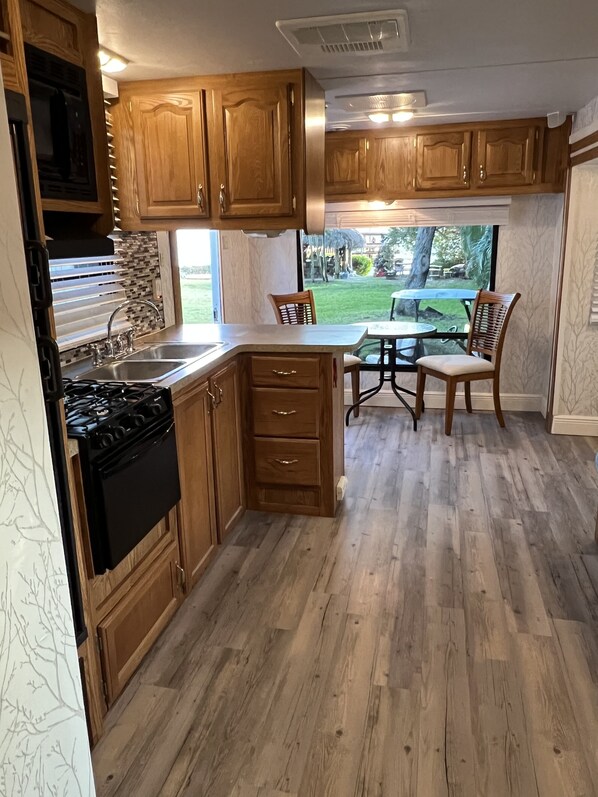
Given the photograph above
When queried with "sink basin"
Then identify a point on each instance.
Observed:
(134, 371)
(174, 351)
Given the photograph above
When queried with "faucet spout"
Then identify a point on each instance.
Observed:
(128, 303)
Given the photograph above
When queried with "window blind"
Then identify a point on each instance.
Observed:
(85, 292)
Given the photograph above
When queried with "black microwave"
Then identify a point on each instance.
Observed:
(61, 127)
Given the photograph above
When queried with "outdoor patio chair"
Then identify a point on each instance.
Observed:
(490, 316)
(300, 308)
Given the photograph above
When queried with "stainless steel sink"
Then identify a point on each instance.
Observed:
(134, 371)
(174, 351)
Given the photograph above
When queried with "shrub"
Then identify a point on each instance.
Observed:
(362, 264)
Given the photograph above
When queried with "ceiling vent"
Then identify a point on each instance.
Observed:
(366, 103)
(364, 33)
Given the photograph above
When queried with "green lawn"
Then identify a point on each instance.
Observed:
(197, 301)
(368, 299)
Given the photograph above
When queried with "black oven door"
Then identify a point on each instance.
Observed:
(133, 490)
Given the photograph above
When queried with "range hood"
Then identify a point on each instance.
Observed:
(80, 247)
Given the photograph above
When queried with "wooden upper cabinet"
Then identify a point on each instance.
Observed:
(345, 164)
(250, 151)
(12, 61)
(391, 165)
(504, 157)
(170, 154)
(443, 160)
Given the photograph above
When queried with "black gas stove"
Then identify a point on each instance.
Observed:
(127, 451)
(108, 413)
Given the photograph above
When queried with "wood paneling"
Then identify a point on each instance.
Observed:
(128, 632)
(442, 160)
(250, 151)
(391, 164)
(170, 154)
(345, 164)
(314, 125)
(504, 157)
(197, 521)
(228, 455)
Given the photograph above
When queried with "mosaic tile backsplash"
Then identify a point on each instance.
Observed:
(141, 266)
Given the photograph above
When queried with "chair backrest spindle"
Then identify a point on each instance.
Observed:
(294, 308)
(491, 312)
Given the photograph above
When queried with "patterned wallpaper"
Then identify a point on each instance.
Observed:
(528, 257)
(43, 737)
(251, 268)
(586, 115)
(577, 387)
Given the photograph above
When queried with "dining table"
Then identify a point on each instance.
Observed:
(417, 295)
(389, 333)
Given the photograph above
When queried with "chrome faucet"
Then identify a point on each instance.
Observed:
(125, 343)
(128, 303)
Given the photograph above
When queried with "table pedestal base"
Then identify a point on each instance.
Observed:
(391, 378)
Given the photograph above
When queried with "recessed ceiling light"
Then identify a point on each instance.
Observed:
(111, 62)
(379, 118)
(402, 116)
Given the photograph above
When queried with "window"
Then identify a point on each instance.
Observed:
(354, 272)
(199, 268)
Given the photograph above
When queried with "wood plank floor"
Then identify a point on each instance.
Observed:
(439, 637)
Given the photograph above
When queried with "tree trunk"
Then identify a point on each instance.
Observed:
(420, 266)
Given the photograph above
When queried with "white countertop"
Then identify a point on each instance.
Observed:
(240, 338)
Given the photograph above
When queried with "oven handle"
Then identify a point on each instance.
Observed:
(126, 460)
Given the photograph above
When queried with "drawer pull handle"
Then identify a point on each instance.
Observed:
(286, 461)
(283, 373)
(284, 412)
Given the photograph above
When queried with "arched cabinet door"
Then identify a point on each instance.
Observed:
(443, 161)
(504, 157)
(169, 141)
(250, 151)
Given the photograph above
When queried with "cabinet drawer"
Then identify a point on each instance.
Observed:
(285, 413)
(285, 371)
(287, 461)
(132, 627)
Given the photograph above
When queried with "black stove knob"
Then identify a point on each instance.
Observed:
(137, 419)
(119, 432)
(154, 409)
(106, 439)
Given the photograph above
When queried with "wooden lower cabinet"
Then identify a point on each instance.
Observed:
(294, 440)
(227, 448)
(196, 510)
(131, 628)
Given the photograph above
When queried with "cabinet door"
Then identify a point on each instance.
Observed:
(131, 628)
(504, 157)
(228, 462)
(391, 164)
(345, 164)
(170, 155)
(197, 522)
(12, 63)
(442, 161)
(250, 151)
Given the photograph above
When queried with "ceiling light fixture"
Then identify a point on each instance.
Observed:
(402, 116)
(379, 117)
(111, 62)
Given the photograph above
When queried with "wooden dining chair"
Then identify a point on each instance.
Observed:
(300, 308)
(489, 320)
